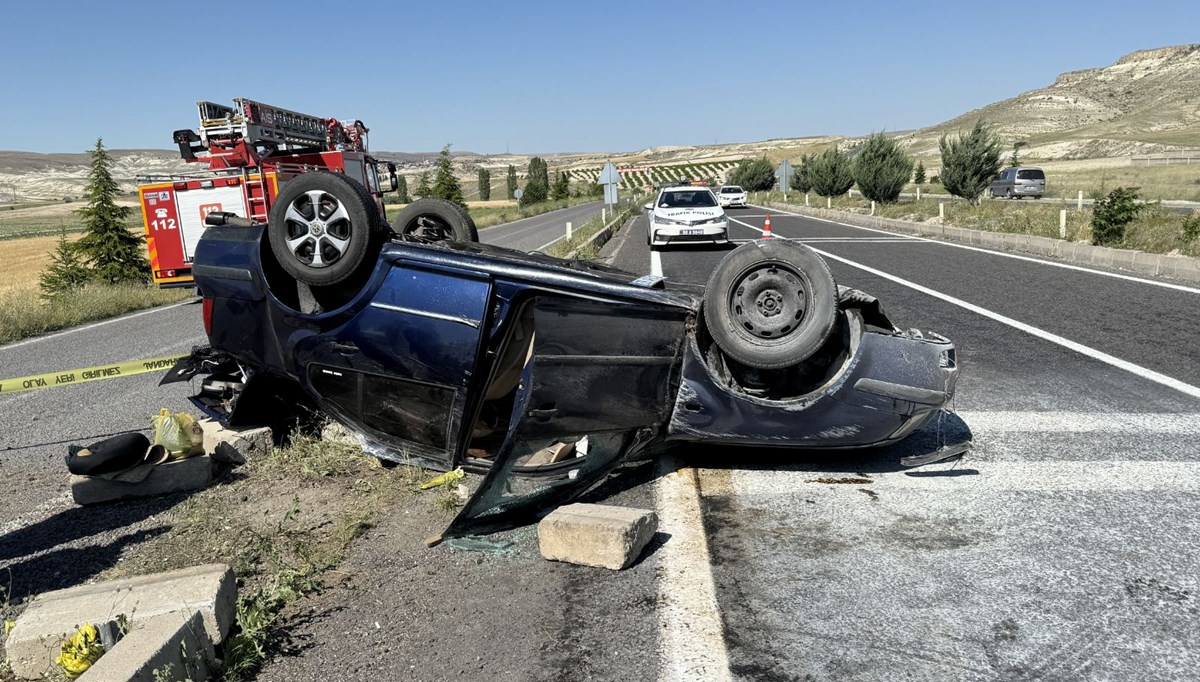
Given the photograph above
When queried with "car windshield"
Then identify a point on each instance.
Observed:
(731, 190)
(1031, 174)
(696, 199)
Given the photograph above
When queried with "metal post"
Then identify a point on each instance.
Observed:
(1079, 203)
(941, 210)
(1062, 223)
(603, 214)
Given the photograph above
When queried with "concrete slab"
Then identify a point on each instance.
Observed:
(596, 535)
(171, 646)
(209, 590)
(235, 446)
(193, 473)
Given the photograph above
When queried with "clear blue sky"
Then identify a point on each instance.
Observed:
(547, 77)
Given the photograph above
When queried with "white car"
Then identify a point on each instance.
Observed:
(731, 195)
(682, 215)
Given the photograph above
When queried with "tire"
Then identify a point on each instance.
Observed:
(435, 220)
(326, 244)
(1008, 194)
(771, 304)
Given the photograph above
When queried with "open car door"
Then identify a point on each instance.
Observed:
(597, 387)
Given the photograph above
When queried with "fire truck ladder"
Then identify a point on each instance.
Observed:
(256, 195)
(259, 123)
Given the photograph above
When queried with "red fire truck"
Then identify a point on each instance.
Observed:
(251, 150)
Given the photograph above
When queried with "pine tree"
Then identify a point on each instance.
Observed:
(754, 175)
(801, 181)
(830, 172)
(970, 162)
(116, 254)
(445, 185)
(402, 190)
(561, 189)
(67, 271)
(485, 184)
(1016, 160)
(511, 182)
(919, 175)
(537, 183)
(881, 169)
(423, 190)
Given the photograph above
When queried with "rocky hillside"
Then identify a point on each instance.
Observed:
(1147, 102)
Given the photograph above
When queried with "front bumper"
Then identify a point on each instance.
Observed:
(715, 233)
(732, 201)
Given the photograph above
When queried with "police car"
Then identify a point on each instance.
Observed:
(683, 215)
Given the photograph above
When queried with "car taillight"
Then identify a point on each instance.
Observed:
(206, 310)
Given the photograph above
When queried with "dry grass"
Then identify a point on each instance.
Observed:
(51, 218)
(1156, 230)
(22, 260)
(24, 314)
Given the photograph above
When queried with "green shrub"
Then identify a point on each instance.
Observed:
(881, 169)
(970, 162)
(1191, 229)
(753, 175)
(1112, 214)
(830, 173)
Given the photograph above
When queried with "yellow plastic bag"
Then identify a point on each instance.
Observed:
(452, 476)
(80, 651)
(178, 433)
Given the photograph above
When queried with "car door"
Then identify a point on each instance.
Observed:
(599, 383)
(399, 370)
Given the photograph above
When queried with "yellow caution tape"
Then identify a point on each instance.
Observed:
(79, 376)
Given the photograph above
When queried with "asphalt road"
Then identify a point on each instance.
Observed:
(1064, 547)
(540, 231)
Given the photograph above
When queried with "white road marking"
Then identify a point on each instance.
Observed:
(1082, 422)
(550, 243)
(655, 263)
(1105, 477)
(693, 636)
(1088, 351)
(96, 324)
(1056, 264)
(853, 240)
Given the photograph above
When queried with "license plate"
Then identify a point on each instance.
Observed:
(687, 232)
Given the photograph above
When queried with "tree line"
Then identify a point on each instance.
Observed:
(880, 168)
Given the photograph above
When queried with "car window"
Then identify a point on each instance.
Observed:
(731, 190)
(1031, 174)
(697, 199)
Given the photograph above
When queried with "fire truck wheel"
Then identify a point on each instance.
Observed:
(435, 220)
(322, 227)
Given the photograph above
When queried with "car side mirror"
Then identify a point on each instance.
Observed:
(649, 206)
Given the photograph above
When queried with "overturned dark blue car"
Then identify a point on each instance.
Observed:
(539, 372)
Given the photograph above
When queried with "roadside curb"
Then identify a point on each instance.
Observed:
(1175, 267)
(601, 238)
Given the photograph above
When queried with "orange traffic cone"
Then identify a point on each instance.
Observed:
(767, 228)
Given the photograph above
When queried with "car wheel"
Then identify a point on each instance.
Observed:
(435, 220)
(771, 304)
(322, 227)
(1008, 194)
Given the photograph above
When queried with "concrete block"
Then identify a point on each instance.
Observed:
(209, 590)
(235, 446)
(1147, 263)
(1123, 259)
(173, 645)
(193, 473)
(596, 534)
